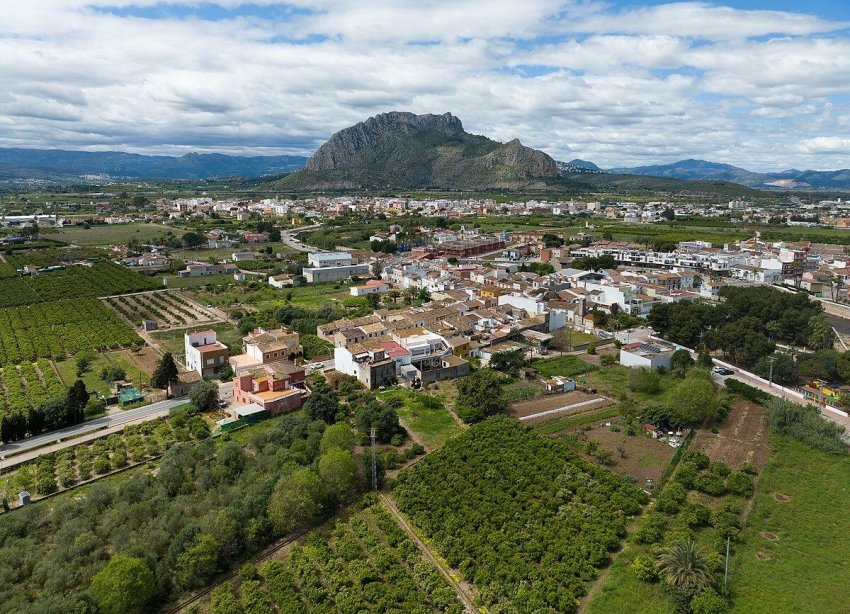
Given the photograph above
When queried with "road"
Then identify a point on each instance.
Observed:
(119, 418)
(287, 237)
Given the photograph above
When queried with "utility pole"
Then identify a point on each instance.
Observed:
(726, 570)
(770, 372)
(373, 433)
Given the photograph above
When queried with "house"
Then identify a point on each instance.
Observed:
(200, 269)
(332, 266)
(243, 257)
(276, 387)
(186, 380)
(650, 355)
(204, 353)
(369, 363)
(281, 281)
(149, 325)
(276, 345)
(558, 384)
(373, 286)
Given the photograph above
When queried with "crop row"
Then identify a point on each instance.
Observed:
(367, 564)
(82, 462)
(27, 386)
(100, 279)
(60, 328)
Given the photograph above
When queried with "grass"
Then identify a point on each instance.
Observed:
(567, 366)
(113, 233)
(520, 390)
(623, 592)
(67, 370)
(172, 341)
(427, 417)
(808, 568)
(551, 427)
(197, 282)
(263, 296)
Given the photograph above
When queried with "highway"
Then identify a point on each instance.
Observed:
(287, 237)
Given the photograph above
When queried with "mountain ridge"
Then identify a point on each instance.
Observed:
(403, 150)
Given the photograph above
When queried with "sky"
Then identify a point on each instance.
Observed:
(762, 85)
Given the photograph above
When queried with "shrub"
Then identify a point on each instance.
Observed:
(645, 569)
(101, 464)
(711, 484)
(644, 380)
(709, 602)
(698, 459)
(687, 475)
(651, 529)
(748, 468)
(695, 515)
(607, 359)
(671, 498)
(719, 468)
(751, 393)
(591, 348)
(805, 424)
(740, 484)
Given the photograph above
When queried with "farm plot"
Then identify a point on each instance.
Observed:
(59, 328)
(101, 279)
(743, 437)
(518, 515)
(556, 404)
(366, 564)
(27, 386)
(168, 309)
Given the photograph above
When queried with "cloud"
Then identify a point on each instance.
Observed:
(646, 84)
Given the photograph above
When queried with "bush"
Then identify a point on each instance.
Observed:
(746, 391)
(607, 359)
(711, 484)
(651, 529)
(709, 602)
(719, 469)
(671, 498)
(645, 569)
(644, 380)
(591, 349)
(805, 424)
(101, 464)
(698, 459)
(741, 484)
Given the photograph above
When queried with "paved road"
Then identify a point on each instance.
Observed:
(116, 419)
(148, 412)
(287, 237)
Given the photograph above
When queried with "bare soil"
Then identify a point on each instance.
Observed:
(147, 359)
(645, 457)
(743, 437)
(550, 402)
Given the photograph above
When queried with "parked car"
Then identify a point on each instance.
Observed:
(723, 371)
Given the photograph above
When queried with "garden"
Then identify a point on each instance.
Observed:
(518, 515)
(425, 416)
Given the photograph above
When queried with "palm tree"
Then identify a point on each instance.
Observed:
(685, 567)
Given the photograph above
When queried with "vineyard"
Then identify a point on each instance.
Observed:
(367, 564)
(518, 515)
(27, 386)
(100, 279)
(167, 308)
(60, 328)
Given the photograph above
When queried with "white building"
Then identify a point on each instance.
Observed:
(649, 355)
(204, 353)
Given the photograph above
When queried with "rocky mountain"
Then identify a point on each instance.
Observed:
(403, 150)
(704, 170)
(577, 167)
(584, 164)
(62, 165)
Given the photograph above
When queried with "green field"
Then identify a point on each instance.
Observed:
(114, 233)
(566, 366)
(172, 341)
(808, 568)
(427, 417)
(260, 295)
(67, 370)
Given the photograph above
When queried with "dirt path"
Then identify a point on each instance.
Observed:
(603, 577)
(462, 592)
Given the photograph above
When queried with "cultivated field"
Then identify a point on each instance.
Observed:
(27, 386)
(169, 309)
(530, 410)
(743, 437)
(113, 233)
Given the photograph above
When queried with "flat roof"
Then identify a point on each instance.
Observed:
(274, 395)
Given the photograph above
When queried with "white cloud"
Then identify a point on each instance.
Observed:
(620, 88)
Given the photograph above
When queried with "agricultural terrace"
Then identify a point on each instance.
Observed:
(101, 279)
(168, 309)
(59, 328)
(366, 564)
(518, 515)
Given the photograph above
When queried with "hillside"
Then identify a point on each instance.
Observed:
(704, 170)
(403, 150)
(63, 165)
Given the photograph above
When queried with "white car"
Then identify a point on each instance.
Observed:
(316, 366)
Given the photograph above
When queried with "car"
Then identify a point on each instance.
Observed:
(222, 403)
(316, 366)
(723, 371)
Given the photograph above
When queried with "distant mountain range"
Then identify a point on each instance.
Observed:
(403, 150)
(62, 165)
(791, 179)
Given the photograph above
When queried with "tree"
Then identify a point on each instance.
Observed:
(338, 470)
(423, 295)
(374, 300)
(83, 361)
(819, 333)
(695, 400)
(338, 435)
(704, 359)
(323, 403)
(480, 395)
(54, 413)
(508, 362)
(193, 239)
(783, 371)
(382, 417)
(165, 373)
(124, 586)
(298, 499)
(681, 361)
(684, 566)
(644, 380)
(204, 395)
(75, 402)
(198, 562)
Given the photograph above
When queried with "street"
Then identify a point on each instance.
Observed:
(287, 237)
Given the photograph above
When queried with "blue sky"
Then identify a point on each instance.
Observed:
(764, 85)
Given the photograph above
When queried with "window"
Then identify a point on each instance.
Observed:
(210, 361)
